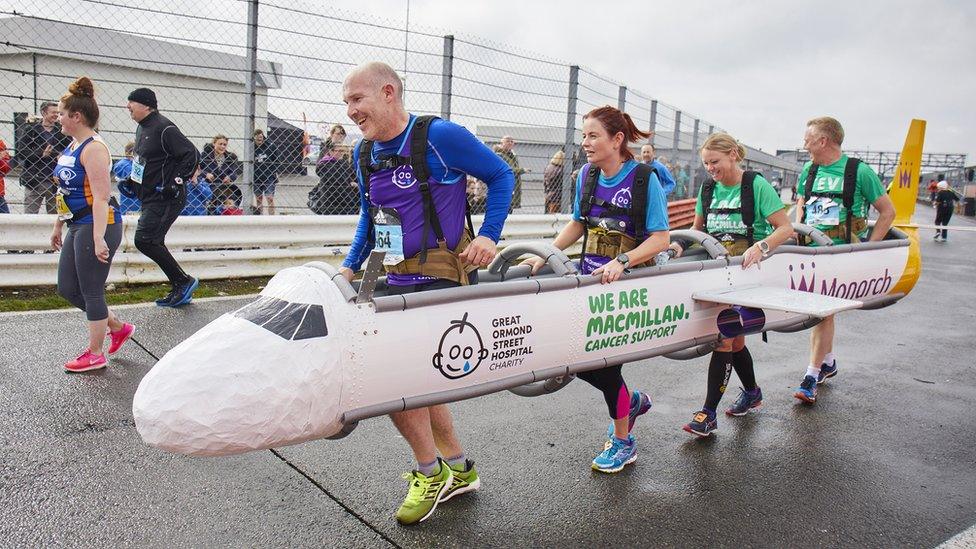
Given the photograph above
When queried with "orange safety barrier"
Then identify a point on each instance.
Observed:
(681, 213)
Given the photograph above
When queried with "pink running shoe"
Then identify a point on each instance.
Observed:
(86, 362)
(120, 337)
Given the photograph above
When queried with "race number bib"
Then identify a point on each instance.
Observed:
(64, 212)
(138, 169)
(823, 211)
(388, 234)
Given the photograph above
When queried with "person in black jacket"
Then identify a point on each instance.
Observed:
(265, 173)
(944, 203)
(164, 159)
(37, 153)
(337, 192)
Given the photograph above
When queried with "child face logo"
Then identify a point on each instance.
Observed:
(621, 198)
(403, 177)
(461, 350)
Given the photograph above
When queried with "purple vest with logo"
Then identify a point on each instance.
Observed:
(398, 189)
(619, 195)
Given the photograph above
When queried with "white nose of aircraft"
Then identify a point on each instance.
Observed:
(265, 375)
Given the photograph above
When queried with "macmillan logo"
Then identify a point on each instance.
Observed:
(461, 349)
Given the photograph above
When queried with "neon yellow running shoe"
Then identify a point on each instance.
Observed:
(423, 494)
(465, 480)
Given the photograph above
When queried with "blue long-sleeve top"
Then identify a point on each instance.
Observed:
(452, 153)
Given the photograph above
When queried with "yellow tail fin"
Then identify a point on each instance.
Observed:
(904, 187)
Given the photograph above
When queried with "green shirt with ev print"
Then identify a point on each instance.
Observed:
(830, 178)
(767, 202)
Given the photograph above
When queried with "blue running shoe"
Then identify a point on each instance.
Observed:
(164, 301)
(640, 403)
(808, 390)
(617, 454)
(702, 424)
(184, 293)
(827, 372)
(747, 401)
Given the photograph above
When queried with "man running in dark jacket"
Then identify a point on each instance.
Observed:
(164, 159)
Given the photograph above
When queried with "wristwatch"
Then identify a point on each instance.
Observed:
(763, 247)
(623, 259)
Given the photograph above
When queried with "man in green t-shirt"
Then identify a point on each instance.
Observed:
(823, 139)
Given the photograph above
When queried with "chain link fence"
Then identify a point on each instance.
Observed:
(257, 87)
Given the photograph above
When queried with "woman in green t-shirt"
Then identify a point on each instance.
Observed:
(721, 155)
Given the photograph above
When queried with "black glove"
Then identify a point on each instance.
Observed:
(172, 188)
(126, 189)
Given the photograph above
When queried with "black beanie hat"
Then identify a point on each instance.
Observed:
(144, 96)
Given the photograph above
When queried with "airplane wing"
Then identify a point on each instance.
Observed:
(778, 299)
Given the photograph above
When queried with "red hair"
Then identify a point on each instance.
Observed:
(616, 121)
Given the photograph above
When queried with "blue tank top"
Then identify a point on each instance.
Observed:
(73, 184)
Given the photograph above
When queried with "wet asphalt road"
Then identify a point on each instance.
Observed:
(885, 459)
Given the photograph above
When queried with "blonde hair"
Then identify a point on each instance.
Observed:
(218, 137)
(723, 142)
(829, 128)
(558, 158)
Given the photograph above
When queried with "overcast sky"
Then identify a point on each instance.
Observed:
(758, 69)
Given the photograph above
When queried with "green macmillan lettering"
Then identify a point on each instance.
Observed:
(635, 320)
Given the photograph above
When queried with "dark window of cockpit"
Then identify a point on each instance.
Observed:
(286, 320)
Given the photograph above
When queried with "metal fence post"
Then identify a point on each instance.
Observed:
(569, 145)
(693, 165)
(622, 98)
(653, 127)
(250, 99)
(447, 75)
(677, 132)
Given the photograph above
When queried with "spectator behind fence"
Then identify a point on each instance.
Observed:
(4, 170)
(933, 189)
(505, 150)
(128, 202)
(552, 182)
(337, 137)
(198, 194)
(265, 173)
(229, 207)
(220, 168)
(337, 192)
(648, 157)
(477, 193)
(37, 153)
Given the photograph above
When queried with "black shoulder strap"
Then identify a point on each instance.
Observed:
(589, 190)
(418, 147)
(850, 185)
(638, 201)
(707, 191)
(808, 187)
(365, 153)
(747, 203)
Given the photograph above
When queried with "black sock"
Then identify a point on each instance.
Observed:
(719, 370)
(742, 362)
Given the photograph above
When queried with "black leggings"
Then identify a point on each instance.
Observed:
(154, 222)
(81, 276)
(611, 383)
(942, 217)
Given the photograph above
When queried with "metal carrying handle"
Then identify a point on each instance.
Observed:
(708, 242)
(816, 235)
(345, 288)
(544, 387)
(560, 263)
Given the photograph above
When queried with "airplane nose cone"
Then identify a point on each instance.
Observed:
(266, 375)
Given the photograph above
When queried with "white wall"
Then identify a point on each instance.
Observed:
(214, 106)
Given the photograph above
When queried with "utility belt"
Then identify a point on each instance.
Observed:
(441, 262)
(69, 216)
(610, 244)
(858, 224)
(734, 243)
